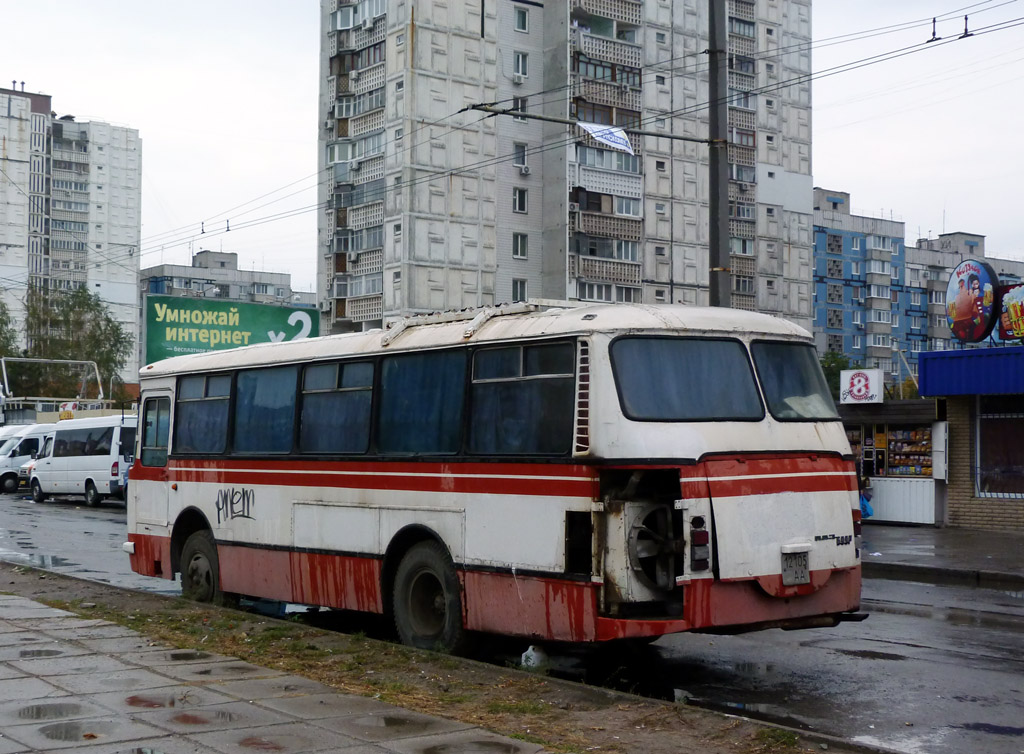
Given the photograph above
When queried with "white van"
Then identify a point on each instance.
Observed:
(86, 457)
(18, 448)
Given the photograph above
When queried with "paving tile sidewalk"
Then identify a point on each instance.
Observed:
(73, 684)
(946, 555)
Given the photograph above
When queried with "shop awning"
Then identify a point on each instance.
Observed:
(978, 371)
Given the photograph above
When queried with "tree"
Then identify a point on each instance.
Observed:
(8, 335)
(832, 363)
(69, 325)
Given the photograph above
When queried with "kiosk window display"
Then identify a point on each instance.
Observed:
(880, 450)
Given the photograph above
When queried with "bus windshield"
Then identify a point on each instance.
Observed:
(9, 445)
(685, 379)
(793, 382)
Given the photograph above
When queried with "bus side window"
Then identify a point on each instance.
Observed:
(156, 422)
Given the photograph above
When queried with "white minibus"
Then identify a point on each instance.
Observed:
(87, 457)
(18, 448)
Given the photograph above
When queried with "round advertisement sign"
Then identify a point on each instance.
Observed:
(970, 299)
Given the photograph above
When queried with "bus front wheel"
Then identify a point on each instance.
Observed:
(426, 600)
(200, 570)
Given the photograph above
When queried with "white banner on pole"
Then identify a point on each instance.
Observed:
(612, 136)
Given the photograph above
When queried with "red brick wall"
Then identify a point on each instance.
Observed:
(963, 508)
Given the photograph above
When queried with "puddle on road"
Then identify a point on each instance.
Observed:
(26, 653)
(49, 711)
(188, 655)
(997, 730)
(83, 730)
(474, 747)
(869, 654)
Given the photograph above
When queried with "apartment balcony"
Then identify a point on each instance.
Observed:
(606, 93)
(610, 182)
(367, 79)
(367, 122)
(611, 226)
(627, 11)
(603, 48)
(69, 156)
(745, 301)
(742, 119)
(742, 10)
(746, 156)
(601, 270)
(743, 228)
(365, 308)
(743, 82)
(744, 46)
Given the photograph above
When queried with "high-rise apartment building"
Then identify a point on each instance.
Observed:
(879, 301)
(70, 209)
(427, 208)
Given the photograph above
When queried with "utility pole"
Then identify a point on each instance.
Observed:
(719, 280)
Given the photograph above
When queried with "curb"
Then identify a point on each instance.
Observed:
(945, 576)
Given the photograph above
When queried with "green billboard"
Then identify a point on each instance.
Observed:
(177, 325)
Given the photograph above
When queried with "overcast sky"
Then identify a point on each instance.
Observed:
(224, 96)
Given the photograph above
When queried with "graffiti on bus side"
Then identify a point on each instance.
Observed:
(234, 503)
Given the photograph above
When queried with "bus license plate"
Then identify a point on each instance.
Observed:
(794, 568)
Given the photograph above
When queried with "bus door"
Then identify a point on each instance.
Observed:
(149, 477)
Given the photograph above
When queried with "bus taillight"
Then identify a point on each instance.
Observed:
(114, 469)
(700, 544)
(857, 529)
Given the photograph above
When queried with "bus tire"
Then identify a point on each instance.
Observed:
(427, 601)
(37, 492)
(10, 483)
(92, 495)
(200, 571)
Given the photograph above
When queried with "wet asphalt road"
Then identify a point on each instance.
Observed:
(934, 670)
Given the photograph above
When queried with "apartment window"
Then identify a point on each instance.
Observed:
(742, 246)
(855, 243)
(741, 27)
(855, 268)
(522, 19)
(628, 251)
(659, 251)
(399, 133)
(518, 289)
(880, 340)
(519, 200)
(769, 103)
(400, 40)
(878, 267)
(769, 138)
(769, 67)
(518, 154)
(519, 103)
(520, 245)
(742, 284)
(895, 273)
(396, 230)
(857, 316)
(627, 295)
(858, 342)
(880, 315)
(659, 37)
(659, 80)
(879, 291)
(915, 323)
(399, 86)
(520, 63)
(625, 205)
(895, 321)
(915, 299)
(659, 165)
(659, 208)
(594, 291)
(659, 296)
(937, 297)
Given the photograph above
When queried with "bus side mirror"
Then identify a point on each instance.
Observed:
(34, 455)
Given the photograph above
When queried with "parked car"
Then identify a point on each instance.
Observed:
(19, 448)
(88, 457)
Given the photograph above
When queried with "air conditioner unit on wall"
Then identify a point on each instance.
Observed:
(353, 76)
(352, 257)
(518, 78)
(524, 169)
(574, 207)
(367, 23)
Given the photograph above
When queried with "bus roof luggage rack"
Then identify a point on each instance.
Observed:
(478, 316)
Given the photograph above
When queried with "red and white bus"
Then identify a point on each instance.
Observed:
(582, 473)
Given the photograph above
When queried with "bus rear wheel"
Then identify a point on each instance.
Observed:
(37, 492)
(200, 571)
(426, 600)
